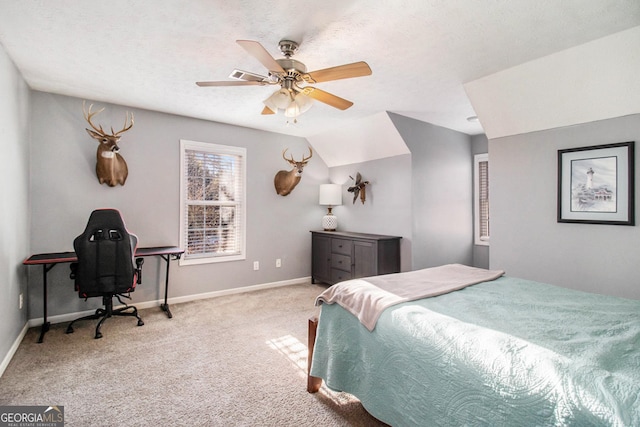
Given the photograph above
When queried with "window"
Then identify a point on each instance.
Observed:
(212, 195)
(481, 198)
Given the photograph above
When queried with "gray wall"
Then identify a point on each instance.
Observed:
(424, 197)
(526, 239)
(441, 194)
(387, 209)
(14, 209)
(480, 145)
(64, 191)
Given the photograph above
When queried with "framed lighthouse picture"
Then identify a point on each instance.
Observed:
(596, 184)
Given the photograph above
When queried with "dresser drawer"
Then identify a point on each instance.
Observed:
(339, 275)
(341, 246)
(341, 262)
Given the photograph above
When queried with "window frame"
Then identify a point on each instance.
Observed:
(240, 223)
(477, 217)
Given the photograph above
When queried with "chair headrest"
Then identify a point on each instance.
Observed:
(105, 218)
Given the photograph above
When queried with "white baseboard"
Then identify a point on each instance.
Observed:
(232, 291)
(61, 318)
(13, 349)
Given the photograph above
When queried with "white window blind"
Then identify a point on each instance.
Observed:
(213, 202)
(481, 196)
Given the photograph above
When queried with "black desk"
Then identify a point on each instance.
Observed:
(50, 260)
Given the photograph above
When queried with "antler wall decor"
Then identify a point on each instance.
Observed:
(111, 167)
(359, 188)
(286, 181)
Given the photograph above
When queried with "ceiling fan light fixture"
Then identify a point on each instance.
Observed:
(304, 102)
(300, 104)
(280, 99)
(292, 110)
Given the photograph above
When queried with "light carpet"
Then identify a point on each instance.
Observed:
(235, 360)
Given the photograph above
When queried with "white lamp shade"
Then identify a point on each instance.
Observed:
(330, 194)
(300, 104)
(304, 102)
(292, 110)
(280, 99)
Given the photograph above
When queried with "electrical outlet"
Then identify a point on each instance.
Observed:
(256, 265)
(278, 263)
(21, 301)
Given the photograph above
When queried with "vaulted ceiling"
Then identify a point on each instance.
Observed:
(149, 53)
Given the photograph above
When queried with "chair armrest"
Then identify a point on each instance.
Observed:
(74, 270)
(139, 262)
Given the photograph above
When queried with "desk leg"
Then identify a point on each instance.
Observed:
(165, 306)
(45, 325)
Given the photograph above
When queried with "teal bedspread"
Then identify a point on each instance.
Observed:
(509, 352)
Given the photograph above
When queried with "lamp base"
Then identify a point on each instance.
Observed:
(329, 222)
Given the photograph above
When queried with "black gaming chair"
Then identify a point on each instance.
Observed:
(106, 266)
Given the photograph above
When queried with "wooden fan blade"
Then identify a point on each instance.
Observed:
(347, 71)
(327, 98)
(230, 83)
(258, 51)
(267, 110)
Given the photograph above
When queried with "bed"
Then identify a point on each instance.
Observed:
(501, 352)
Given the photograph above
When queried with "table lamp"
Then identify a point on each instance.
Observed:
(330, 196)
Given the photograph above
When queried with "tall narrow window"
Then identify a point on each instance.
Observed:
(481, 198)
(212, 194)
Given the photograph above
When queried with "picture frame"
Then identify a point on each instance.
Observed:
(596, 184)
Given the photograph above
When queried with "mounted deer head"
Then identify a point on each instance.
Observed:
(110, 165)
(286, 181)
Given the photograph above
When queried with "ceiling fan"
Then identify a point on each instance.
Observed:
(290, 74)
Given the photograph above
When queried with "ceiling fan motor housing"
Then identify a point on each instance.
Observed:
(294, 69)
(288, 47)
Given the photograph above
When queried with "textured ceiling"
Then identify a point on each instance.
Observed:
(148, 53)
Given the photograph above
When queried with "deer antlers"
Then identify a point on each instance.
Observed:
(88, 115)
(293, 162)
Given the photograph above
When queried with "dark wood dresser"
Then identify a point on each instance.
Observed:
(341, 255)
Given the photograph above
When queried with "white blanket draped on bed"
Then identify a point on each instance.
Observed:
(368, 298)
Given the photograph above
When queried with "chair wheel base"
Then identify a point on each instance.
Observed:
(107, 312)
